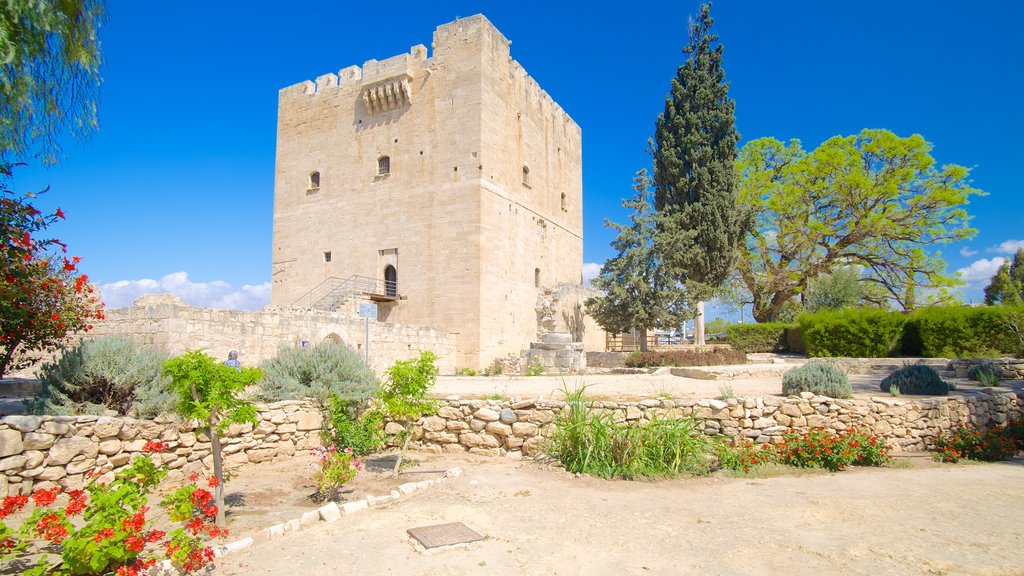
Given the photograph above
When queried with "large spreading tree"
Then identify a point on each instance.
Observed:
(49, 73)
(638, 294)
(1007, 286)
(694, 151)
(874, 200)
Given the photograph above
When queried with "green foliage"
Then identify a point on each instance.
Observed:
(207, 389)
(821, 378)
(711, 357)
(319, 372)
(840, 289)
(403, 394)
(795, 339)
(916, 379)
(637, 292)
(1007, 286)
(725, 392)
(1000, 442)
(716, 326)
(874, 200)
(334, 468)
(49, 66)
(589, 441)
(753, 338)
(363, 432)
(857, 333)
(987, 374)
(106, 373)
(465, 372)
(968, 332)
(694, 152)
(535, 369)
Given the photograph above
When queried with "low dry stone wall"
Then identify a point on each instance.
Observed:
(45, 450)
(522, 428)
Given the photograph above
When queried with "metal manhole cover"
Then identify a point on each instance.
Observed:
(444, 535)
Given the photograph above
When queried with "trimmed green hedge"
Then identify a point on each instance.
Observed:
(751, 338)
(712, 357)
(856, 333)
(969, 332)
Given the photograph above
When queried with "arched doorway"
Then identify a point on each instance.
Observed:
(390, 281)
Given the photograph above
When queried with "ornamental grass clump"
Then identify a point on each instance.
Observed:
(820, 378)
(589, 440)
(916, 379)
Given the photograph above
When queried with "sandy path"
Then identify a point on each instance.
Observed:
(930, 519)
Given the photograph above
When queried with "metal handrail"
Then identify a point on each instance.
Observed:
(334, 291)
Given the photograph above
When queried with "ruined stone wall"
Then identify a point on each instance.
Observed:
(165, 321)
(563, 309)
(38, 451)
(41, 451)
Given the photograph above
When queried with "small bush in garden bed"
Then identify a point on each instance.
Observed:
(817, 448)
(754, 338)
(712, 357)
(114, 535)
(856, 333)
(346, 427)
(320, 372)
(987, 374)
(916, 379)
(992, 445)
(334, 468)
(821, 378)
(589, 441)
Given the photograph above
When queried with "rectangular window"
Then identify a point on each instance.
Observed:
(327, 256)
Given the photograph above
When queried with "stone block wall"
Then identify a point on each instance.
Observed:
(165, 321)
(522, 428)
(40, 451)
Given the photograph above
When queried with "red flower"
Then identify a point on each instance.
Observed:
(45, 497)
(154, 446)
(135, 544)
(212, 481)
(210, 511)
(104, 534)
(155, 535)
(59, 213)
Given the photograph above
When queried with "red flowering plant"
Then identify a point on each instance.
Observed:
(332, 470)
(104, 529)
(1000, 442)
(43, 297)
(816, 448)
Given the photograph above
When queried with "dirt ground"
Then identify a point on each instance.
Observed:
(916, 518)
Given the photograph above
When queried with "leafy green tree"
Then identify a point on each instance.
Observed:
(211, 392)
(834, 291)
(1007, 286)
(874, 200)
(694, 151)
(403, 394)
(638, 293)
(49, 73)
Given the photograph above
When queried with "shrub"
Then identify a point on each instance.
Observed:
(403, 395)
(821, 378)
(588, 441)
(986, 373)
(916, 379)
(968, 332)
(319, 372)
(795, 339)
(752, 338)
(817, 448)
(106, 373)
(998, 443)
(711, 357)
(346, 427)
(333, 468)
(866, 333)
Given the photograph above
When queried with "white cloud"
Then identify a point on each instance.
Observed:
(216, 294)
(590, 271)
(1007, 247)
(967, 252)
(982, 269)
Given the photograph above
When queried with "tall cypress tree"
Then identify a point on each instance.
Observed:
(694, 151)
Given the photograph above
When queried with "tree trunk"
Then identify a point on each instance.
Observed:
(218, 471)
(698, 325)
(643, 339)
(405, 445)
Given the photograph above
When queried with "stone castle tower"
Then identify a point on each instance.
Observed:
(448, 189)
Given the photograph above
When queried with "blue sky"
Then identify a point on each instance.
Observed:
(175, 191)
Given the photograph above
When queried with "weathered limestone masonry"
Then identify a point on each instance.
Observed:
(41, 451)
(455, 176)
(522, 428)
(165, 321)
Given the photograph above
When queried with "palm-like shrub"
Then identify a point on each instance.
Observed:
(821, 378)
(916, 379)
(109, 373)
(320, 372)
